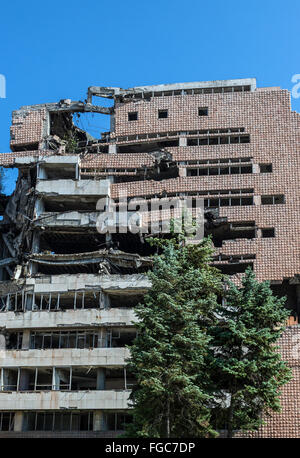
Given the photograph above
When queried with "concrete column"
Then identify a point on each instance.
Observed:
(108, 240)
(55, 379)
(112, 148)
(2, 340)
(102, 336)
(105, 301)
(101, 375)
(5, 378)
(258, 233)
(26, 339)
(36, 242)
(39, 207)
(182, 171)
(257, 200)
(99, 421)
(18, 421)
(41, 172)
(255, 168)
(24, 380)
(29, 299)
(1, 379)
(182, 141)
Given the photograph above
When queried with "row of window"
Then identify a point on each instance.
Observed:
(63, 421)
(263, 168)
(240, 201)
(178, 133)
(230, 170)
(216, 161)
(218, 140)
(163, 114)
(73, 339)
(72, 421)
(219, 170)
(196, 91)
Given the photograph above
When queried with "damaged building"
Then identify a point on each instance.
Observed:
(67, 291)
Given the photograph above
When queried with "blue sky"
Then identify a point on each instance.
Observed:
(55, 50)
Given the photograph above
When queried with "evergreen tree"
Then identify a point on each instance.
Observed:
(245, 365)
(168, 357)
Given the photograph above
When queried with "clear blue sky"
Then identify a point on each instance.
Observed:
(54, 50)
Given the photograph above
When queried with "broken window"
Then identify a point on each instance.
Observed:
(59, 421)
(120, 337)
(203, 111)
(218, 140)
(12, 302)
(231, 231)
(64, 339)
(14, 341)
(7, 421)
(124, 300)
(133, 116)
(65, 301)
(116, 421)
(84, 378)
(162, 114)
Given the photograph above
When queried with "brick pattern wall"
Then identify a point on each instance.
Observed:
(274, 138)
(251, 110)
(285, 424)
(27, 127)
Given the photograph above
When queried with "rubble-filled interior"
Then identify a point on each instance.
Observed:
(67, 290)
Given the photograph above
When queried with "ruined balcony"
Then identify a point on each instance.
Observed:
(74, 188)
(86, 317)
(113, 357)
(56, 400)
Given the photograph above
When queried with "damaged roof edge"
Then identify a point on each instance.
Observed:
(67, 106)
(111, 92)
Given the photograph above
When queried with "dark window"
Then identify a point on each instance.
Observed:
(133, 116)
(224, 170)
(234, 170)
(268, 232)
(265, 168)
(247, 200)
(235, 201)
(213, 140)
(246, 169)
(269, 200)
(224, 140)
(278, 199)
(203, 141)
(203, 111)
(192, 142)
(162, 114)
(245, 139)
